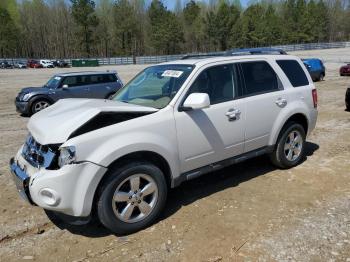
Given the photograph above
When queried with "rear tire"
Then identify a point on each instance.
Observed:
(131, 197)
(321, 78)
(290, 147)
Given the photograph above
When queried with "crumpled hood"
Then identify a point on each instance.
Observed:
(56, 123)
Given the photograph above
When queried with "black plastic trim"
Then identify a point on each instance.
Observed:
(220, 165)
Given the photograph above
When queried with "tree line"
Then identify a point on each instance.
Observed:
(82, 28)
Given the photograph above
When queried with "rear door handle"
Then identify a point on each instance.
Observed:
(233, 114)
(281, 102)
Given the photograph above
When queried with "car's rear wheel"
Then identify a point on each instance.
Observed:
(39, 105)
(131, 197)
(290, 147)
(321, 78)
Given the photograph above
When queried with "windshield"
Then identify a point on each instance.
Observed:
(53, 82)
(155, 86)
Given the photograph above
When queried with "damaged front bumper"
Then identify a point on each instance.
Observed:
(69, 190)
(21, 180)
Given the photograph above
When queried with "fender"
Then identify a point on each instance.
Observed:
(120, 146)
(295, 107)
(104, 146)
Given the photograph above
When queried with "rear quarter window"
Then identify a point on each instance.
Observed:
(294, 72)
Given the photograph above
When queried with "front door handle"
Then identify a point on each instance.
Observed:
(281, 102)
(233, 114)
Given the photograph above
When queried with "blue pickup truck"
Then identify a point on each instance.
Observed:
(316, 68)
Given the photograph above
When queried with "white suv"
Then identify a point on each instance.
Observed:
(171, 123)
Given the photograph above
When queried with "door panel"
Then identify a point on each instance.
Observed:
(264, 101)
(207, 136)
(261, 113)
(212, 134)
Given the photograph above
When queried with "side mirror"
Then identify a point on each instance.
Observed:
(196, 101)
(65, 87)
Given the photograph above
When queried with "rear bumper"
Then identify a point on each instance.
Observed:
(312, 120)
(22, 107)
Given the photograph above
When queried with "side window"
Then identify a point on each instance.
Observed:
(70, 81)
(294, 72)
(104, 78)
(219, 82)
(259, 77)
(110, 78)
(94, 79)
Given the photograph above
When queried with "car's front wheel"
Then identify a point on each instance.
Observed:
(290, 148)
(131, 197)
(39, 105)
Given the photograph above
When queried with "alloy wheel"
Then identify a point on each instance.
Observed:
(40, 106)
(293, 145)
(135, 198)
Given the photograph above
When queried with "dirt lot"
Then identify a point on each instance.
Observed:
(247, 212)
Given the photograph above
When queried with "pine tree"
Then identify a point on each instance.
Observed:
(8, 34)
(83, 12)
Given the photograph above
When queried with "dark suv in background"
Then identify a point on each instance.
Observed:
(31, 100)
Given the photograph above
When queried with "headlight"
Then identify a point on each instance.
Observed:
(26, 97)
(67, 156)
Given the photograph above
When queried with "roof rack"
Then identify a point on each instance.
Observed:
(255, 51)
(239, 51)
(197, 56)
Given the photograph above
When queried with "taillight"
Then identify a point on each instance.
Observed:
(314, 97)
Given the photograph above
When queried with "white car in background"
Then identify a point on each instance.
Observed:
(46, 63)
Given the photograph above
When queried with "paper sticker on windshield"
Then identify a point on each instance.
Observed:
(57, 78)
(172, 73)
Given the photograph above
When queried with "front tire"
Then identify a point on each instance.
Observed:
(131, 197)
(39, 105)
(290, 148)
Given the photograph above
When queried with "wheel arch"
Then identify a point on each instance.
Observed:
(299, 118)
(37, 97)
(145, 156)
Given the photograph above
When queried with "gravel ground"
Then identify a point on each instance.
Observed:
(246, 212)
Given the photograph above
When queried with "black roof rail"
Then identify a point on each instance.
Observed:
(256, 51)
(238, 51)
(197, 56)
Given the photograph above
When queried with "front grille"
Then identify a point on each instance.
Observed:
(36, 154)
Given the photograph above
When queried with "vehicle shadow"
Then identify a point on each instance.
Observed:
(194, 190)
(231, 176)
